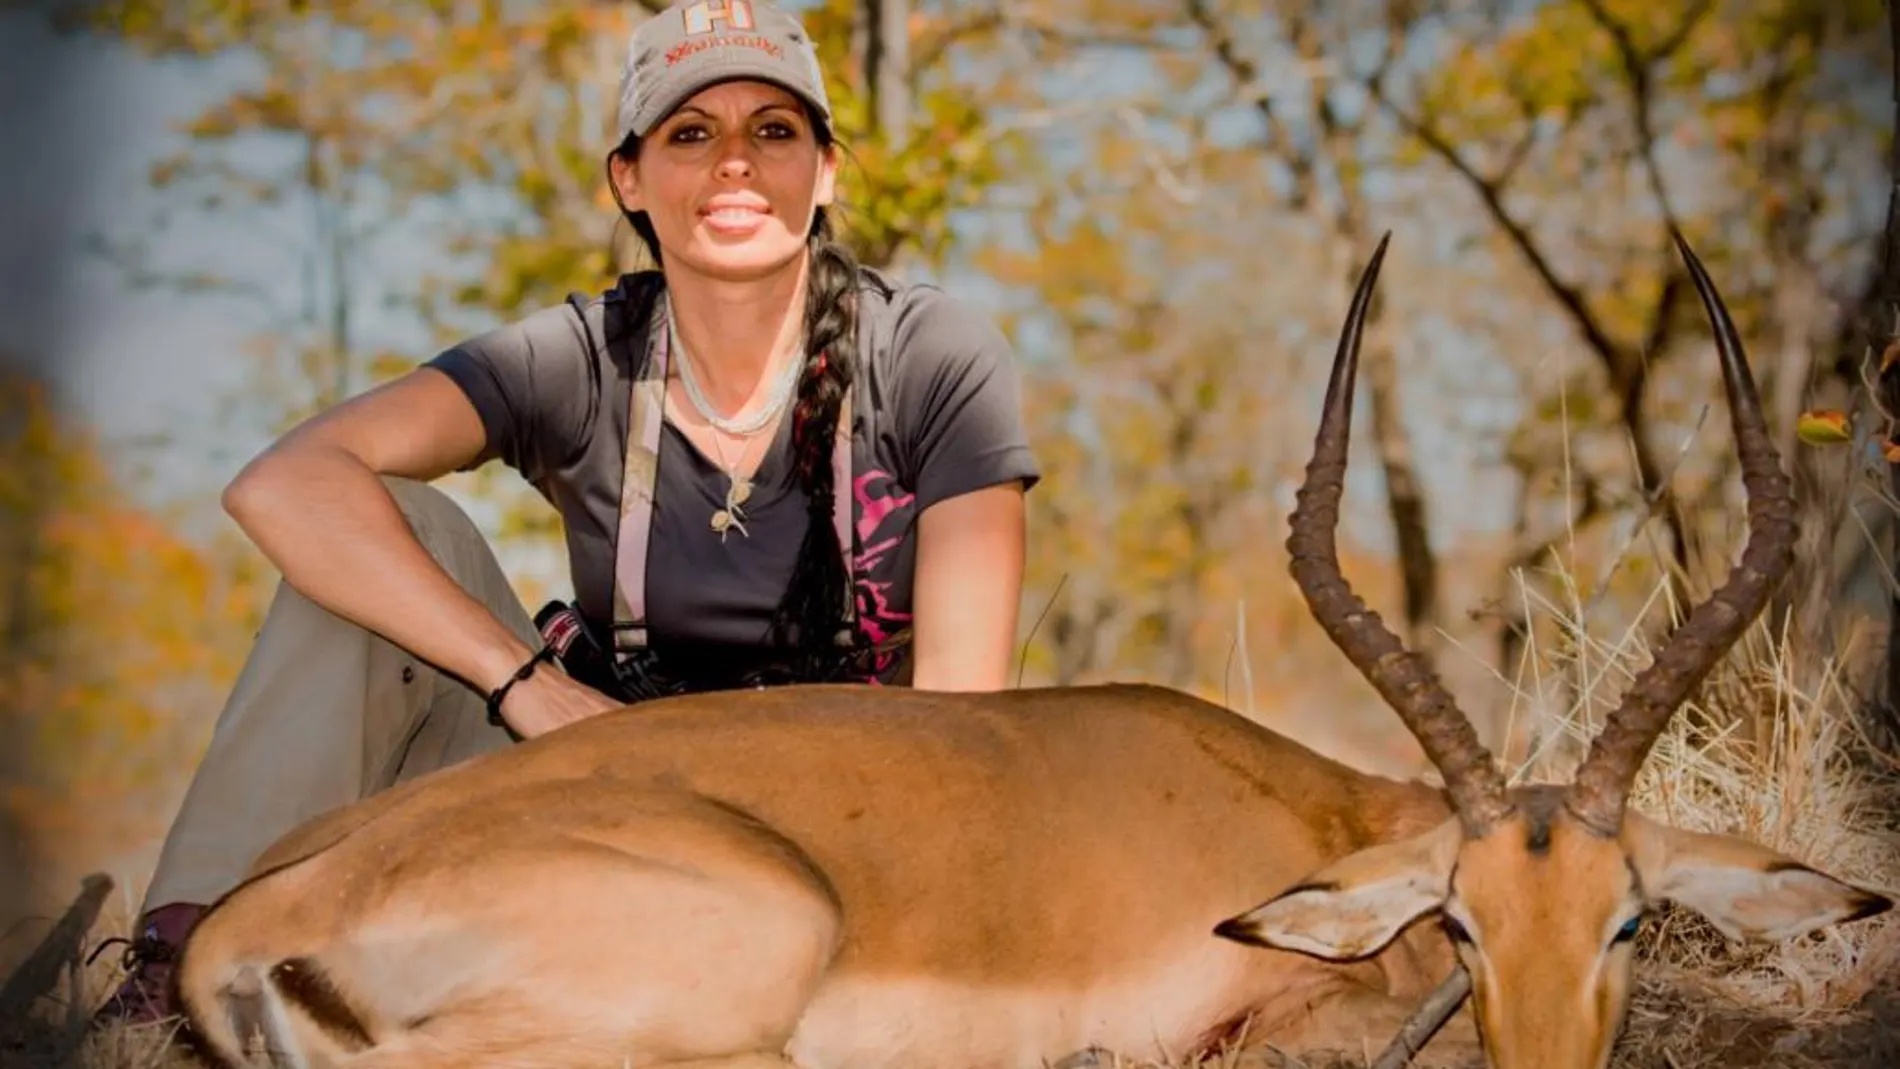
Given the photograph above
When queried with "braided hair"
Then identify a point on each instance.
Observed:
(810, 614)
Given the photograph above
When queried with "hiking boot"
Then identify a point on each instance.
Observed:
(146, 995)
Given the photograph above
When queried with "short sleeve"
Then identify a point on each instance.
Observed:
(535, 385)
(958, 399)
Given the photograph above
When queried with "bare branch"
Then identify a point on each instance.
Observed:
(1627, 366)
(1636, 70)
(1015, 18)
(1491, 195)
(1425, 1021)
(1246, 76)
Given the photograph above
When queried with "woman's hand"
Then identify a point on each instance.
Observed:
(551, 699)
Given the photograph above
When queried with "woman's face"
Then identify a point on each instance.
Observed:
(730, 180)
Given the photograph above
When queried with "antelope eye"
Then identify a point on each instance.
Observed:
(1629, 930)
(1455, 930)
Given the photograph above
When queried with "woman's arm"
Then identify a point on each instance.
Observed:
(957, 401)
(968, 590)
(315, 506)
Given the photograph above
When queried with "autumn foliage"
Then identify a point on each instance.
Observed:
(121, 636)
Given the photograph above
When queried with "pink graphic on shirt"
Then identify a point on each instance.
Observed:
(876, 618)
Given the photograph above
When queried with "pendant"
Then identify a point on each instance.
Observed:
(732, 516)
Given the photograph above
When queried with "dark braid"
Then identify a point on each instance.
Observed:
(811, 612)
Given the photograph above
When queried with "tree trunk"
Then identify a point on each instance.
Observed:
(1884, 324)
(885, 44)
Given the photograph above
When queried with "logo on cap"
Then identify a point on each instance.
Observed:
(703, 16)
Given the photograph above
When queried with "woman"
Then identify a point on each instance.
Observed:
(771, 465)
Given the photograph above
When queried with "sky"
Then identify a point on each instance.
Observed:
(86, 118)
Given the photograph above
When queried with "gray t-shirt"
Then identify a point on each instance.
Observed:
(936, 412)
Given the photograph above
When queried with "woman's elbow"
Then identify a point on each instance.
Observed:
(264, 486)
(241, 496)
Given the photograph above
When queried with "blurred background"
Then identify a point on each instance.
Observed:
(220, 217)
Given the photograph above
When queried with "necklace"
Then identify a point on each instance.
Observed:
(738, 487)
(738, 428)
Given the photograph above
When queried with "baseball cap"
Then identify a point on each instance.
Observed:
(698, 43)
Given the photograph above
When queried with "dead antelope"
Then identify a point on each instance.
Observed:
(846, 878)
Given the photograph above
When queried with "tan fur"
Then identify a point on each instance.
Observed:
(858, 875)
(857, 878)
(1542, 922)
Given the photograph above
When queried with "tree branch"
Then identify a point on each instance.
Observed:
(1336, 149)
(1426, 1020)
(1636, 67)
(1636, 70)
(1491, 195)
(1014, 17)
(1627, 370)
(1245, 74)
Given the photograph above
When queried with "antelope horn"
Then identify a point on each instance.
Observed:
(1603, 781)
(1403, 678)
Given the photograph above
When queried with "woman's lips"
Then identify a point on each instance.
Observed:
(735, 219)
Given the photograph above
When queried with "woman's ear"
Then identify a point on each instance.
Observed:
(827, 177)
(625, 177)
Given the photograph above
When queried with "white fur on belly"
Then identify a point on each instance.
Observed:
(868, 1022)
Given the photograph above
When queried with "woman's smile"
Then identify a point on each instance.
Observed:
(735, 216)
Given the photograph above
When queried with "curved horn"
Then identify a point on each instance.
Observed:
(1603, 781)
(1401, 676)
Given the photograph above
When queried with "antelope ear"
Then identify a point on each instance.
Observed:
(1746, 890)
(1356, 905)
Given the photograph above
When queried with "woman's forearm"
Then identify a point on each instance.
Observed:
(325, 519)
(968, 585)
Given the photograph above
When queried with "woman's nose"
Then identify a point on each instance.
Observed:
(735, 158)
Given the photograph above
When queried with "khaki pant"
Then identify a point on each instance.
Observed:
(326, 713)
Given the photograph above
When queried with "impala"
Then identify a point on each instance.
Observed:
(836, 877)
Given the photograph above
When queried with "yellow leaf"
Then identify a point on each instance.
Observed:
(1824, 426)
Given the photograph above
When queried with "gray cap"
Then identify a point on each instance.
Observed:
(695, 44)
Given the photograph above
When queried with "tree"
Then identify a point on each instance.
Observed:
(1569, 105)
(1507, 131)
(1327, 158)
(121, 638)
